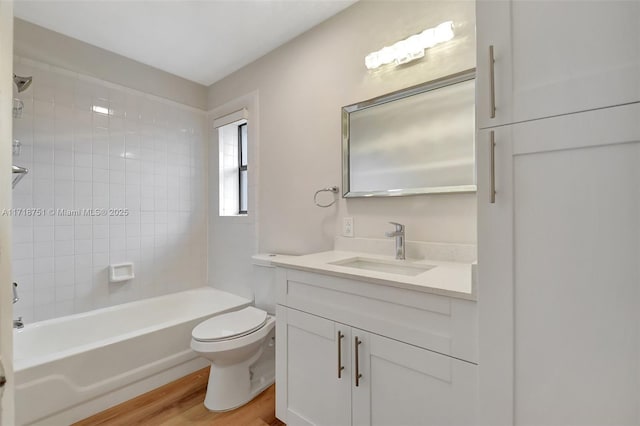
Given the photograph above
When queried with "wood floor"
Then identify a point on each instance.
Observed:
(182, 403)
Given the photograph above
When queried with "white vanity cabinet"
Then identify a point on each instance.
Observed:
(559, 281)
(308, 355)
(388, 376)
(555, 57)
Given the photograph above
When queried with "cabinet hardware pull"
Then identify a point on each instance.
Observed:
(358, 375)
(492, 82)
(340, 366)
(492, 167)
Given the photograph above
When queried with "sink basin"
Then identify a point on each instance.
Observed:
(400, 267)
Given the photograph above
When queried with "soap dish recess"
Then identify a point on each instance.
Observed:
(121, 272)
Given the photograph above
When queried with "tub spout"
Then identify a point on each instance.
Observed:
(18, 323)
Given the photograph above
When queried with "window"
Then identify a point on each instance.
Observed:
(233, 177)
(242, 168)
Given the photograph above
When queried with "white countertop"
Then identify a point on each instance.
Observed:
(453, 279)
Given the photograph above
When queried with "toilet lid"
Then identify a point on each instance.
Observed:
(230, 325)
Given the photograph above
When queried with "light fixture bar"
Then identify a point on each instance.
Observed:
(410, 48)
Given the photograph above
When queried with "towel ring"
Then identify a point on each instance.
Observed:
(332, 189)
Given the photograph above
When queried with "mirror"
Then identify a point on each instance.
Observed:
(419, 140)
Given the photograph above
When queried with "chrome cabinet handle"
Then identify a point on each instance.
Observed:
(358, 375)
(492, 167)
(492, 82)
(340, 366)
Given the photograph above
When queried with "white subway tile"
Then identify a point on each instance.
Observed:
(64, 277)
(133, 178)
(64, 248)
(83, 246)
(100, 161)
(43, 280)
(117, 163)
(84, 189)
(100, 260)
(63, 233)
(44, 265)
(23, 235)
(83, 232)
(43, 249)
(101, 121)
(83, 277)
(64, 307)
(100, 176)
(64, 263)
(63, 172)
(83, 204)
(82, 159)
(147, 229)
(117, 145)
(117, 231)
(117, 244)
(83, 261)
(101, 245)
(40, 233)
(44, 296)
(22, 221)
(101, 146)
(23, 266)
(82, 174)
(119, 256)
(62, 157)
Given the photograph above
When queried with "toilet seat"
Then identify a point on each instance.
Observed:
(237, 342)
(231, 325)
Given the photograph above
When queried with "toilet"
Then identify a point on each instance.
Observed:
(241, 344)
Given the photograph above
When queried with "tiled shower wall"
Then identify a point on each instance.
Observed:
(146, 156)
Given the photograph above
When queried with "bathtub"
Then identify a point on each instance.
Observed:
(69, 368)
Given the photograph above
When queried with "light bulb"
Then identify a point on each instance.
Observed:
(428, 38)
(444, 31)
(387, 55)
(371, 61)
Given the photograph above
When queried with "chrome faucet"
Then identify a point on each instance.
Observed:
(18, 323)
(399, 236)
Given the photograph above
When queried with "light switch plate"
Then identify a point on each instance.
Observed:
(347, 227)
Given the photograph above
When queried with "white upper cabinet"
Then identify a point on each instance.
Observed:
(555, 57)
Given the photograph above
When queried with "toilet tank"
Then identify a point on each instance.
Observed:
(263, 281)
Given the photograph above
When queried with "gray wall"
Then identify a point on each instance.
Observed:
(302, 86)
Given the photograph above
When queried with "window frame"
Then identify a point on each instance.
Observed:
(242, 167)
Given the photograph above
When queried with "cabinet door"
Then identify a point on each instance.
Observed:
(559, 282)
(556, 57)
(308, 390)
(405, 385)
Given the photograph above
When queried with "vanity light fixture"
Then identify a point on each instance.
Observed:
(101, 110)
(410, 48)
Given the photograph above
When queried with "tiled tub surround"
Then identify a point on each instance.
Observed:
(146, 155)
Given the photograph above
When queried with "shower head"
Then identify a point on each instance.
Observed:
(18, 173)
(23, 83)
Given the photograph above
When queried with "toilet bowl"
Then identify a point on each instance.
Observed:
(241, 348)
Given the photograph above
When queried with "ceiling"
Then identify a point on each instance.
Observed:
(202, 41)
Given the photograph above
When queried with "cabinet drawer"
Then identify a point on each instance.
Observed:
(438, 323)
